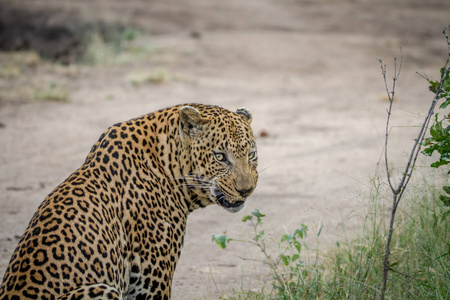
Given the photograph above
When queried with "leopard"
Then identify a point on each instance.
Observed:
(114, 229)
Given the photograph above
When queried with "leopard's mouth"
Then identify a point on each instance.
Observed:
(230, 206)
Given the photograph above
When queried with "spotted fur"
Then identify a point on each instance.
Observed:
(114, 229)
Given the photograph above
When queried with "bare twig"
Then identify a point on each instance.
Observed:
(391, 96)
(398, 191)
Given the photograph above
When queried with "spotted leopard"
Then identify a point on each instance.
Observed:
(114, 229)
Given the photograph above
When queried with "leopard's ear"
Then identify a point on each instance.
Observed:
(245, 114)
(191, 121)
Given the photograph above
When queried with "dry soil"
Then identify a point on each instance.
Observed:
(307, 70)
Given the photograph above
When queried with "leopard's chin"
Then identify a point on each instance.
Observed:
(229, 206)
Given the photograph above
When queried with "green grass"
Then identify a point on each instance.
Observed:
(156, 76)
(14, 64)
(23, 72)
(52, 92)
(420, 257)
(117, 47)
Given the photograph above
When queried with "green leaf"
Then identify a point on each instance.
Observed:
(446, 189)
(445, 200)
(285, 259)
(394, 264)
(298, 246)
(320, 230)
(221, 240)
(445, 103)
(299, 232)
(257, 213)
(433, 86)
(284, 237)
(439, 163)
(295, 257)
(445, 215)
(259, 235)
(246, 218)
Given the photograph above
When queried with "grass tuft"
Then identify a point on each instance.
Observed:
(157, 76)
(52, 92)
(98, 52)
(353, 269)
(14, 64)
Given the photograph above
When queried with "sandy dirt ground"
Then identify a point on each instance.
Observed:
(307, 70)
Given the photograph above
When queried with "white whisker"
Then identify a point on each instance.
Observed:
(261, 171)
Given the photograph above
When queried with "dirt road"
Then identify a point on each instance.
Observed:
(306, 69)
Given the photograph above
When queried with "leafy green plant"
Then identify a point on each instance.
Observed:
(439, 140)
(416, 253)
(287, 267)
(111, 47)
(420, 263)
(399, 189)
(222, 240)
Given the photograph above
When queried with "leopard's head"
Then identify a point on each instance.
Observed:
(221, 150)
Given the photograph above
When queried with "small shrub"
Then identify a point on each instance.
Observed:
(114, 47)
(98, 52)
(353, 269)
(439, 140)
(52, 92)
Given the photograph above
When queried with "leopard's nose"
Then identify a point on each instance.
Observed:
(245, 193)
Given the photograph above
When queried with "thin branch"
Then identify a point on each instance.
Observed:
(391, 95)
(398, 192)
(389, 111)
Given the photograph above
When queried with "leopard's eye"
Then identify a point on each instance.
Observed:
(252, 155)
(220, 156)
